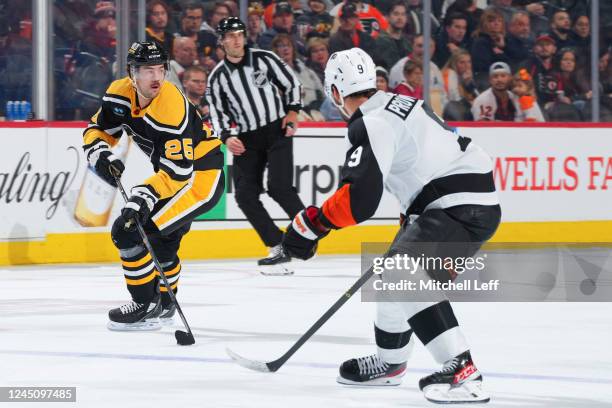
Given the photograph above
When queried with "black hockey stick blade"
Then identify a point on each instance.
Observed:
(273, 366)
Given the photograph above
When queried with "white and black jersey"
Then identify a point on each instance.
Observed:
(253, 93)
(398, 143)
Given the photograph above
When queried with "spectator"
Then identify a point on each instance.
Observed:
(525, 91)
(542, 70)
(489, 42)
(469, 9)
(561, 27)
(330, 112)
(451, 38)
(194, 84)
(69, 19)
(99, 34)
(382, 79)
(254, 25)
(412, 85)
(219, 11)
(581, 36)
(348, 36)
(319, 20)
(458, 77)
(317, 53)
(393, 44)
(15, 66)
(538, 19)
(505, 8)
(191, 20)
(233, 6)
(157, 23)
(497, 103)
(282, 23)
(312, 88)
(396, 75)
(414, 27)
(519, 44)
(371, 21)
(185, 55)
(574, 84)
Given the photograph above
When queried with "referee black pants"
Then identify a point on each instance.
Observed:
(266, 147)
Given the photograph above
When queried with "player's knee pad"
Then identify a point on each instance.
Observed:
(124, 239)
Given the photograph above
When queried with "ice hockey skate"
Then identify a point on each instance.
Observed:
(459, 381)
(166, 317)
(277, 263)
(370, 371)
(134, 316)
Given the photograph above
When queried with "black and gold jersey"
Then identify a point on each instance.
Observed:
(169, 131)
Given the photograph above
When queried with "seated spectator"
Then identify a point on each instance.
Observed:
(541, 68)
(574, 84)
(233, 7)
(414, 25)
(348, 36)
(581, 36)
(190, 21)
(458, 77)
(393, 44)
(69, 18)
(519, 44)
(185, 56)
(412, 85)
(312, 88)
(254, 25)
(207, 38)
(218, 12)
(370, 19)
(451, 38)
(282, 23)
(317, 54)
(15, 66)
(489, 42)
(99, 34)
(319, 20)
(525, 91)
(497, 103)
(382, 79)
(537, 15)
(194, 84)
(469, 9)
(157, 24)
(561, 27)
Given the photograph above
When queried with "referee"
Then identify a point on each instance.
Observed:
(261, 95)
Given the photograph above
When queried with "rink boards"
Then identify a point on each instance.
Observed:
(554, 184)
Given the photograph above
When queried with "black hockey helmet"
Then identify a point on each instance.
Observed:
(147, 53)
(230, 24)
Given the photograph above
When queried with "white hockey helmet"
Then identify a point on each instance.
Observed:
(350, 71)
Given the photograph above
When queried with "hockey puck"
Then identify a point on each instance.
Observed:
(184, 338)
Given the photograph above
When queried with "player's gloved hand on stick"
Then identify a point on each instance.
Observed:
(139, 206)
(101, 158)
(302, 235)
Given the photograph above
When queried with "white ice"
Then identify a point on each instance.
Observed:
(53, 333)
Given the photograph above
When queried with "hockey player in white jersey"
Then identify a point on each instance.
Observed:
(444, 183)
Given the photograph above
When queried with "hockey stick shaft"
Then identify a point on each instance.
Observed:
(158, 265)
(276, 364)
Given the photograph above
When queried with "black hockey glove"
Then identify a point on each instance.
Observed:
(101, 158)
(139, 206)
(303, 234)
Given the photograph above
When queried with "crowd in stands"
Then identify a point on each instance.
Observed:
(517, 60)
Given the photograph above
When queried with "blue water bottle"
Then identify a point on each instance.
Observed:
(21, 110)
(10, 110)
(28, 110)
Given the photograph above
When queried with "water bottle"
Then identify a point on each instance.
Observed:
(10, 110)
(22, 110)
(28, 111)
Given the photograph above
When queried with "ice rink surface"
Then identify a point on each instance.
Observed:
(53, 333)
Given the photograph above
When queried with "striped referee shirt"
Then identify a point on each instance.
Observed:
(253, 93)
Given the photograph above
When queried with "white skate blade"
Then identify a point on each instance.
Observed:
(275, 270)
(147, 325)
(377, 382)
(468, 392)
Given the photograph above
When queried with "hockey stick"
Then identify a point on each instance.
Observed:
(273, 366)
(182, 338)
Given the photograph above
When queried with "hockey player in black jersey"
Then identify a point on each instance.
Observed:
(444, 184)
(188, 178)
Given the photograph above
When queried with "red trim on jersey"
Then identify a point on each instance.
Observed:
(337, 208)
